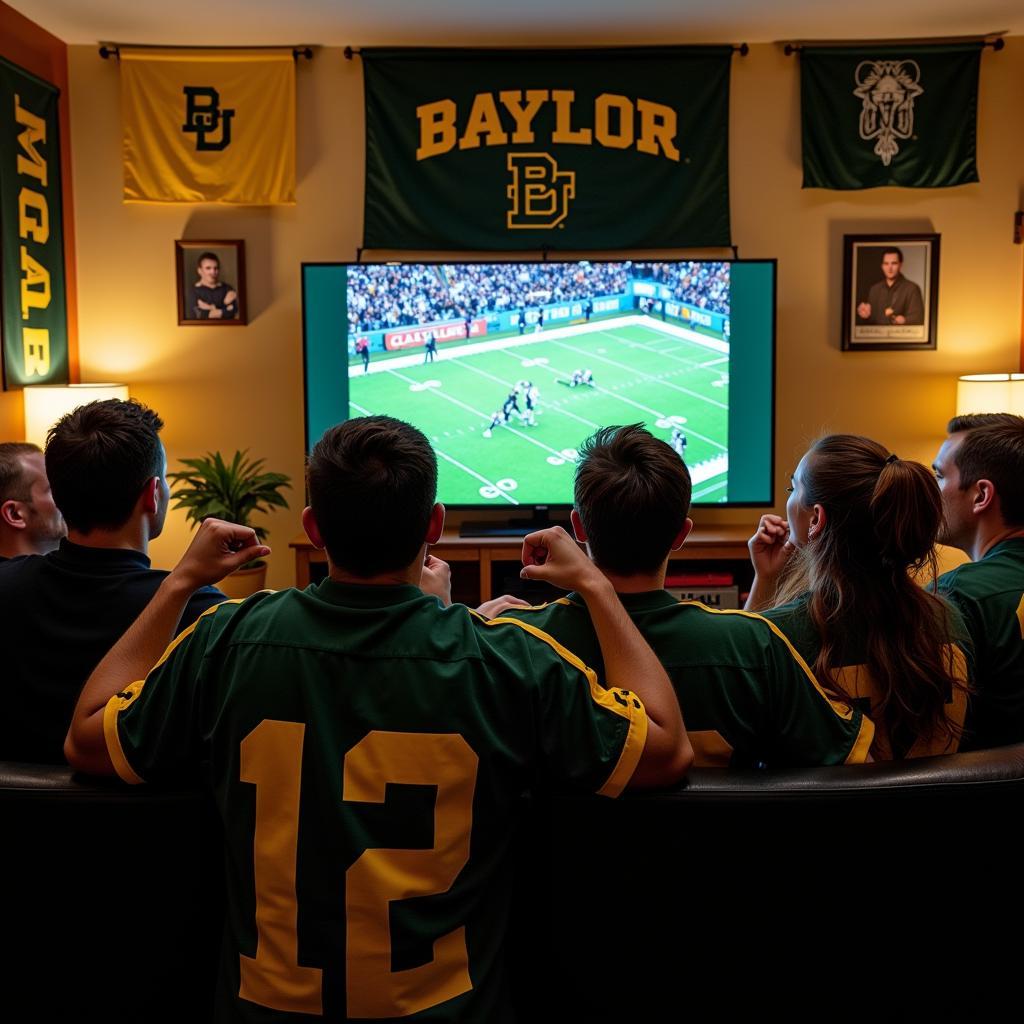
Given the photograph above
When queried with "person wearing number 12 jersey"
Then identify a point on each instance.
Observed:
(368, 743)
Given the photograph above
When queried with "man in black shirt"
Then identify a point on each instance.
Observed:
(61, 612)
(209, 297)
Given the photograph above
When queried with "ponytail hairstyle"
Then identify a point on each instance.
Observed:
(882, 515)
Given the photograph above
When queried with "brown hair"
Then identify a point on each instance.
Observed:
(372, 483)
(632, 494)
(993, 449)
(882, 517)
(98, 459)
(12, 472)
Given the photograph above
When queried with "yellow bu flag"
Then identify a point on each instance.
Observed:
(208, 126)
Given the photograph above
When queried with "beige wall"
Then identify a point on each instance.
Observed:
(242, 387)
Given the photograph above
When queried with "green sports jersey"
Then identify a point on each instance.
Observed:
(989, 594)
(369, 751)
(853, 676)
(747, 698)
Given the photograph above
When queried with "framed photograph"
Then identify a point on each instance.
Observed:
(211, 282)
(890, 291)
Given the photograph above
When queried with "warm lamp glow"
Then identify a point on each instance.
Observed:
(45, 404)
(990, 392)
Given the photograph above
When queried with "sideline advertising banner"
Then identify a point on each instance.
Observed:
(35, 330)
(552, 149)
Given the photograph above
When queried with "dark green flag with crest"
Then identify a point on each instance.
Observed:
(35, 344)
(556, 149)
(890, 115)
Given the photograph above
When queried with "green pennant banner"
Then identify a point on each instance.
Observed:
(562, 150)
(35, 345)
(889, 115)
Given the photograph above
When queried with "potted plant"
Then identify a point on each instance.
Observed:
(235, 490)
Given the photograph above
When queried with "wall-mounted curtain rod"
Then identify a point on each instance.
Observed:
(993, 39)
(353, 51)
(108, 50)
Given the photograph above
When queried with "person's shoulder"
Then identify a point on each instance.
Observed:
(990, 577)
(525, 631)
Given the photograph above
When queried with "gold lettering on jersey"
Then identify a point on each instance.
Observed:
(616, 122)
(539, 192)
(271, 759)
(445, 760)
(1020, 616)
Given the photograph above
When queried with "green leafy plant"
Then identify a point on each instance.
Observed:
(234, 491)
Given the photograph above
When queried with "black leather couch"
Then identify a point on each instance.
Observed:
(886, 890)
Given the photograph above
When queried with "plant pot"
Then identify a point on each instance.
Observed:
(245, 582)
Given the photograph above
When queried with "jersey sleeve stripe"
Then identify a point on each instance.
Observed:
(126, 697)
(632, 709)
(116, 703)
(859, 751)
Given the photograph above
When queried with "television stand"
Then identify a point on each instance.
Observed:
(540, 520)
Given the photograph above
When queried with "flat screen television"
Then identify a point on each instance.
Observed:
(508, 366)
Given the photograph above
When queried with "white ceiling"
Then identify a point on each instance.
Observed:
(511, 22)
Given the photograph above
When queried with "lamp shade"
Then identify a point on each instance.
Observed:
(990, 392)
(46, 403)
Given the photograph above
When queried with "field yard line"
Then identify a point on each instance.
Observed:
(483, 373)
(709, 490)
(715, 362)
(359, 408)
(665, 355)
(634, 372)
(482, 415)
(473, 472)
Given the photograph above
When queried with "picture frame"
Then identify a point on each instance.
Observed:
(890, 292)
(211, 282)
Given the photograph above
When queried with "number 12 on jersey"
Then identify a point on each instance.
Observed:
(271, 759)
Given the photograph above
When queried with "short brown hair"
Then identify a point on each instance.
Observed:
(12, 471)
(973, 420)
(372, 484)
(98, 459)
(632, 495)
(993, 449)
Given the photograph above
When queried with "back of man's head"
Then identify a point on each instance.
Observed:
(372, 486)
(99, 457)
(13, 478)
(993, 449)
(632, 496)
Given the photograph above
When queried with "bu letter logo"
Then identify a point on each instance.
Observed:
(204, 118)
(539, 194)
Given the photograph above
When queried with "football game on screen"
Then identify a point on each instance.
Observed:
(507, 367)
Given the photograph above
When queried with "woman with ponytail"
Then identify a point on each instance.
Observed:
(838, 576)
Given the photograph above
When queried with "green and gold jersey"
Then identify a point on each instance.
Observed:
(747, 698)
(853, 676)
(989, 594)
(369, 751)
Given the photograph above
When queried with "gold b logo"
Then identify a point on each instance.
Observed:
(539, 192)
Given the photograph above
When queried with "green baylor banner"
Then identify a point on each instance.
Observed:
(889, 115)
(35, 344)
(556, 149)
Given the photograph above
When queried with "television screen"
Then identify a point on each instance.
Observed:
(508, 366)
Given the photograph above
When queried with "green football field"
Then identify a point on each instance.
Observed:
(641, 374)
